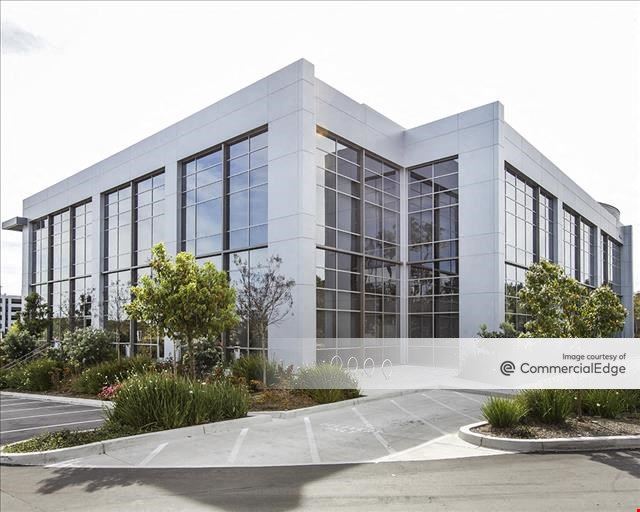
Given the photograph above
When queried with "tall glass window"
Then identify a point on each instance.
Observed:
(133, 224)
(587, 254)
(545, 227)
(433, 250)
(149, 216)
(529, 236)
(244, 335)
(579, 248)
(82, 292)
(339, 192)
(381, 209)
(358, 233)
(202, 214)
(60, 255)
(515, 281)
(520, 220)
(225, 211)
(232, 189)
(247, 192)
(117, 229)
(611, 263)
(570, 227)
(40, 256)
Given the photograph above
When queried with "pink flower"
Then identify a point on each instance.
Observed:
(109, 392)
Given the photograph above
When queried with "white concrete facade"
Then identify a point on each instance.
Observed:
(291, 103)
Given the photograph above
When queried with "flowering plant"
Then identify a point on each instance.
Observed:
(109, 392)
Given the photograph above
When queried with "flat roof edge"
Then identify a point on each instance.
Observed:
(15, 224)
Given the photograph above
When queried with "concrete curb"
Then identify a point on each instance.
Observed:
(55, 398)
(111, 445)
(305, 411)
(568, 444)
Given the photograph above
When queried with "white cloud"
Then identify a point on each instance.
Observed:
(17, 40)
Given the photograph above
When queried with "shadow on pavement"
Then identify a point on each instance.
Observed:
(240, 488)
(628, 461)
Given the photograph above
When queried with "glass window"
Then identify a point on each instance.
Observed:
(611, 263)
(521, 207)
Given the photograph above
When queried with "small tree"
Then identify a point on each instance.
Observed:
(561, 307)
(264, 298)
(35, 315)
(506, 330)
(185, 301)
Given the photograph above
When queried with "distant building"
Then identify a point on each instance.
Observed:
(11, 306)
(389, 232)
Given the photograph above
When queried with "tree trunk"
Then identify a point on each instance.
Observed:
(264, 358)
(175, 359)
(192, 359)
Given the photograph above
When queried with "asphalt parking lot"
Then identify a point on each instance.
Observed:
(384, 429)
(22, 418)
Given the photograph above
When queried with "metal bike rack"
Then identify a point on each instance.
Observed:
(369, 372)
(336, 357)
(349, 363)
(387, 375)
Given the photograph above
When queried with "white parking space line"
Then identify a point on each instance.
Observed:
(63, 464)
(373, 430)
(474, 418)
(418, 418)
(237, 445)
(36, 408)
(153, 454)
(46, 415)
(313, 447)
(30, 403)
(48, 426)
(481, 402)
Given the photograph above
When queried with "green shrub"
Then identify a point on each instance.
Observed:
(608, 403)
(160, 401)
(208, 354)
(550, 406)
(633, 399)
(38, 375)
(11, 379)
(250, 369)
(16, 344)
(327, 383)
(87, 347)
(68, 438)
(92, 380)
(503, 412)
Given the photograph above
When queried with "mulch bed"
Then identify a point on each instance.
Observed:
(588, 426)
(279, 400)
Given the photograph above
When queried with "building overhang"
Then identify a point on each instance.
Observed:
(15, 224)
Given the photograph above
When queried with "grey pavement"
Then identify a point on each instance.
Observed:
(22, 418)
(569, 482)
(383, 429)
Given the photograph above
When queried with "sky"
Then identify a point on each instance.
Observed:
(81, 81)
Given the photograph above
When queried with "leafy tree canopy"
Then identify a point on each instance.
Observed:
(35, 315)
(183, 300)
(561, 307)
